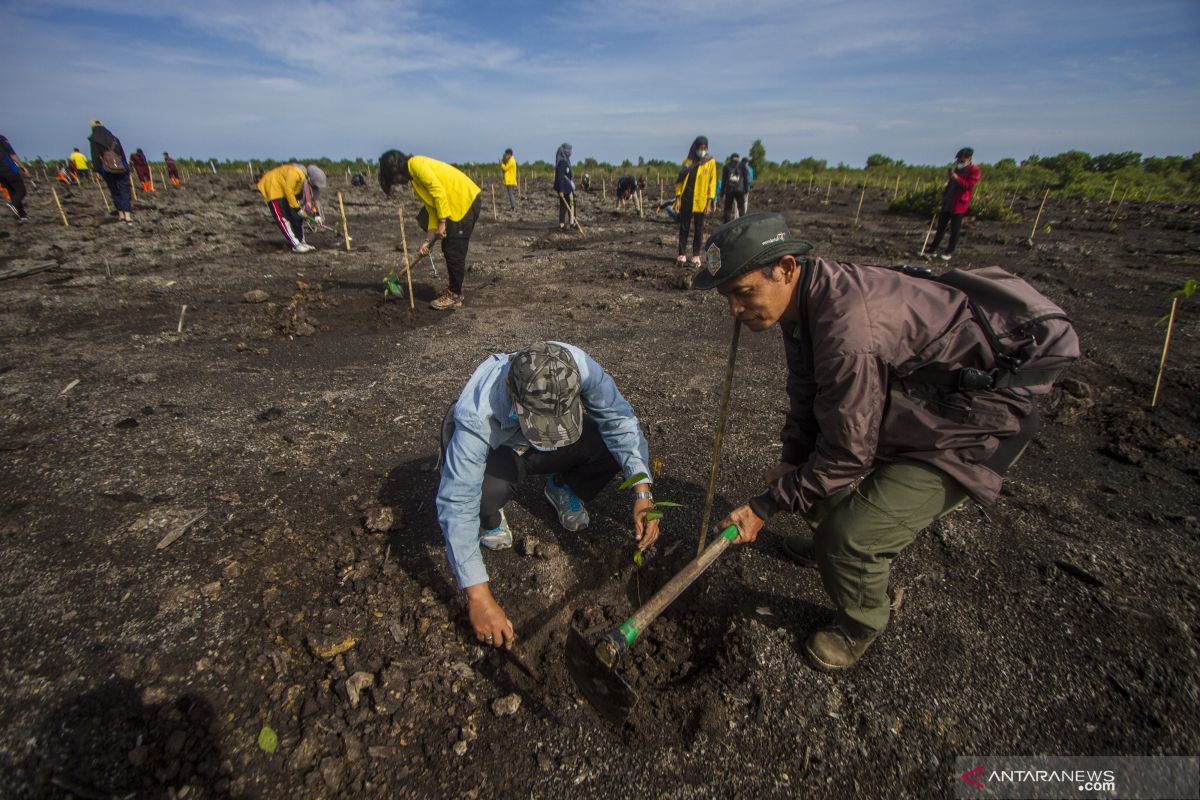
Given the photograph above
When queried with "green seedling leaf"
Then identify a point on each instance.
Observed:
(637, 557)
(634, 480)
(268, 740)
(653, 515)
(1189, 289)
(667, 504)
(1046, 230)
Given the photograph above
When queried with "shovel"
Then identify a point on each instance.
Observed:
(593, 668)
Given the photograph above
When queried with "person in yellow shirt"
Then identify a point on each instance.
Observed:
(695, 188)
(81, 163)
(451, 208)
(282, 187)
(509, 165)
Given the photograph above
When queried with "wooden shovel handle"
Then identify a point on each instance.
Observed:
(649, 612)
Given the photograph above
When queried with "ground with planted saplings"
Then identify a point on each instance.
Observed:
(227, 523)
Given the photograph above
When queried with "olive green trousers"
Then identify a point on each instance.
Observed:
(859, 531)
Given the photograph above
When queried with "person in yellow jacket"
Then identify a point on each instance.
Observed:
(695, 188)
(282, 187)
(509, 166)
(81, 163)
(451, 208)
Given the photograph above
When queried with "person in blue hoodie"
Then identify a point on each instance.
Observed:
(11, 170)
(564, 185)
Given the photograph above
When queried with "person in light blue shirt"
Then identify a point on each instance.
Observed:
(551, 410)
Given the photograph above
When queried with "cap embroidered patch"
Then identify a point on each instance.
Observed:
(713, 255)
(779, 237)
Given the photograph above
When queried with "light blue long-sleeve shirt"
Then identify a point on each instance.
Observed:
(484, 420)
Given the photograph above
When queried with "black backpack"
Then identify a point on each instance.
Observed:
(1032, 339)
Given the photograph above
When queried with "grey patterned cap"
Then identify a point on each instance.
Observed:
(545, 384)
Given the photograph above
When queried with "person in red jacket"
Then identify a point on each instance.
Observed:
(956, 200)
(142, 167)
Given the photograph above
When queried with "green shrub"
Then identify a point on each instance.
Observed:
(928, 201)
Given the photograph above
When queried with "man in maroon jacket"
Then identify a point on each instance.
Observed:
(956, 201)
(871, 454)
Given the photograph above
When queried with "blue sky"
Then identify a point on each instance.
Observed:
(461, 81)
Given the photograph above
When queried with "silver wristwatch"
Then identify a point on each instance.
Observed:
(644, 496)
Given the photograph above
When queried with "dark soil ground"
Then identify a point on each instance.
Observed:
(1062, 622)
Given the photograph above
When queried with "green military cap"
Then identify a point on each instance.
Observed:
(546, 387)
(754, 240)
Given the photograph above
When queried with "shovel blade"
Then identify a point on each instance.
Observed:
(603, 688)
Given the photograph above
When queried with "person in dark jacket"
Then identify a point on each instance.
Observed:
(956, 201)
(108, 157)
(627, 187)
(564, 185)
(142, 167)
(11, 172)
(734, 185)
(172, 170)
(871, 455)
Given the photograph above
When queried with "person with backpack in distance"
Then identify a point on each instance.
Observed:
(956, 202)
(108, 157)
(908, 393)
(695, 189)
(734, 181)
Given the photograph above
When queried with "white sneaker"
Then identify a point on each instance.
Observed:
(499, 537)
(303, 247)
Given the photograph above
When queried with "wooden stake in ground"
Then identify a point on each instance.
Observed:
(408, 272)
(1110, 194)
(860, 202)
(58, 203)
(182, 311)
(1162, 361)
(726, 389)
(495, 213)
(638, 195)
(103, 196)
(345, 230)
(925, 243)
(810, 180)
(896, 193)
(1117, 210)
(1038, 218)
(828, 189)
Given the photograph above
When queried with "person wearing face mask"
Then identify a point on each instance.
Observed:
(550, 410)
(695, 189)
(956, 201)
(451, 208)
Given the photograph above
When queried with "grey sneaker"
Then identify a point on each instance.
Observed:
(571, 513)
(945, 256)
(303, 247)
(499, 537)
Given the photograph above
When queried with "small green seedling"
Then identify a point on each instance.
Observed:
(268, 740)
(634, 480)
(1189, 289)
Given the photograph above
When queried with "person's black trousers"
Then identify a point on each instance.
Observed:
(586, 466)
(955, 221)
(564, 211)
(454, 246)
(118, 187)
(733, 199)
(686, 217)
(16, 189)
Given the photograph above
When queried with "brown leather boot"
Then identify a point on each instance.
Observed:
(831, 649)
